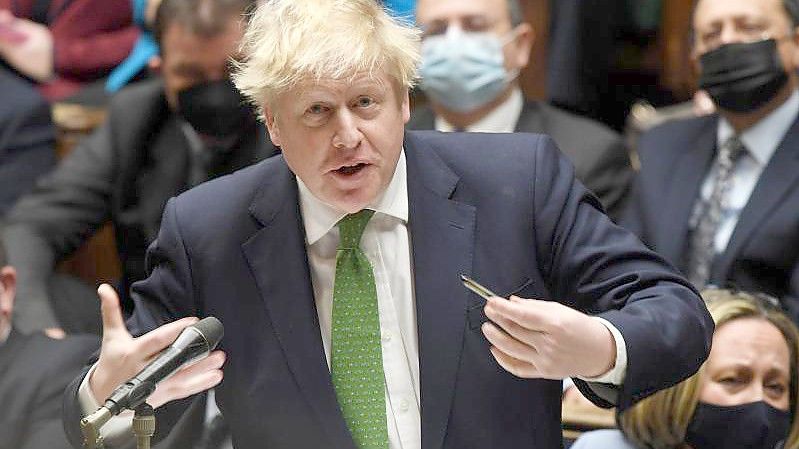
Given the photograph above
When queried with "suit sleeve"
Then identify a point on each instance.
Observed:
(166, 295)
(603, 270)
(52, 221)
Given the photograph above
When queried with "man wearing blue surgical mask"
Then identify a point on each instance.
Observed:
(472, 53)
(718, 196)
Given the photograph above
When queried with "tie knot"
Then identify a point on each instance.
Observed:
(732, 149)
(351, 228)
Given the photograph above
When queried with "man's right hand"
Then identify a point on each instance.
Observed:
(122, 356)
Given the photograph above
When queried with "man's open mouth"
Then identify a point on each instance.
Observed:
(351, 169)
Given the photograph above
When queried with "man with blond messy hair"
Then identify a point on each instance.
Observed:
(335, 267)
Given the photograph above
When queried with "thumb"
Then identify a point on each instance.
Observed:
(113, 323)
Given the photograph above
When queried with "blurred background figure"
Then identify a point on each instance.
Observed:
(145, 50)
(718, 195)
(744, 396)
(161, 137)
(34, 371)
(27, 138)
(472, 54)
(61, 45)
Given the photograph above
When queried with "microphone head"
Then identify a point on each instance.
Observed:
(211, 329)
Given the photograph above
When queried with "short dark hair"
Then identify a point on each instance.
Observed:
(202, 17)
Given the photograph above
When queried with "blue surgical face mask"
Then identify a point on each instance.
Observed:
(464, 70)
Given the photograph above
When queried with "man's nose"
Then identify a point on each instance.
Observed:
(348, 135)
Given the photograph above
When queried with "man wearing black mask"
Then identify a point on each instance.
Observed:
(161, 137)
(719, 196)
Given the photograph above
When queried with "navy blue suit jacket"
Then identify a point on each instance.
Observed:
(763, 251)
(505, 209)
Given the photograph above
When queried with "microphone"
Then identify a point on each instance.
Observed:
(194, 343)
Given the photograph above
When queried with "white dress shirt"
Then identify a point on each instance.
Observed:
(501, 119)
(761, 141)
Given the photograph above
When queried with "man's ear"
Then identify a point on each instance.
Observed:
(522, 45)
(154, 64)
(271, 125)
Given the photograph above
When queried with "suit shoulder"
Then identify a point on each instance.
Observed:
(672, 137)
(138, 95)
(69, 353)
(233, 191)
(579, 123)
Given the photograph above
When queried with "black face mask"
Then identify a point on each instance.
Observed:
(217, 111)
(755, 425)
(743, 77)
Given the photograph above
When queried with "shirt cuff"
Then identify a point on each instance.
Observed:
(118, 430)
(616, 374)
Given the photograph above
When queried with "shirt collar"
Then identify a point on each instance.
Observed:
(319, 217)
(762, 139)
(501, 119)
(4, 335)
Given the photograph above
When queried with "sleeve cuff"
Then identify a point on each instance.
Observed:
(616, 374)
(118, 430)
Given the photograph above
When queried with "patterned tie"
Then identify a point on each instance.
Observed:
(357, 361)
(707, 213)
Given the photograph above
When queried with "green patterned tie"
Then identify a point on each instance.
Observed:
(357, 359)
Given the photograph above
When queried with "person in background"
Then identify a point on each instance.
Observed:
(718, 195)
(27, 138)
(336, 267)
(472, 52)
(144, 51)
(62, 45)
(746, 395)
(161, 137)
(34, 371)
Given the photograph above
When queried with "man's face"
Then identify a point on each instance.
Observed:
(342, 138)
(190, 59)
(719, 22)
(434, 17)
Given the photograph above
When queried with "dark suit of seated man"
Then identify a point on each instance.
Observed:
(34, 371)
(336, 266)
(718, 196)
(472, 53)
(161, 137)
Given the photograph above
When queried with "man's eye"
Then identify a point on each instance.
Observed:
(317, 109)
(364, 102)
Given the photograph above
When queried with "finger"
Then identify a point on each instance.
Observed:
(531, 314)
(113, 323)
(512, 328)
(508, 344)
(514, 366)
(192, 379)
(159, 338)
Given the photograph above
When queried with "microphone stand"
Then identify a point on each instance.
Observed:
(143, 426)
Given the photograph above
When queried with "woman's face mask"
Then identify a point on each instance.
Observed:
(463, 71)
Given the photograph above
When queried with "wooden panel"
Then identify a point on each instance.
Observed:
(677, 70)
(97, 260)
(533, 78)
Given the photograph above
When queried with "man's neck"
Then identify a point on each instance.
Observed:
(743, 121)
(463, 120)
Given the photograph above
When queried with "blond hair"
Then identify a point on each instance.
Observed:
(290, 41)
(661, 420)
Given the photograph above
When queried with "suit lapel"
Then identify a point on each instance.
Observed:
(278, 259)
(442, 236)
(778, 178)
(686, 178)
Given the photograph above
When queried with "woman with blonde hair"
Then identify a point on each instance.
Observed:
(744, 396)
